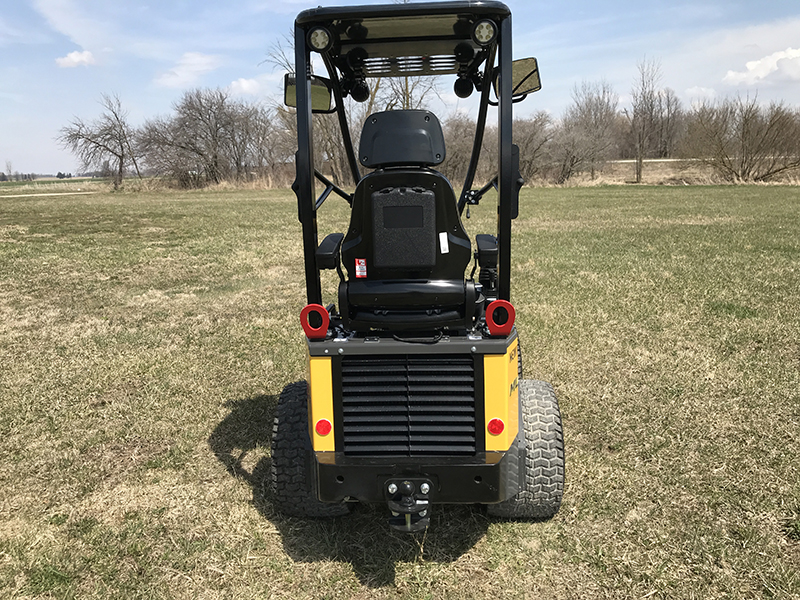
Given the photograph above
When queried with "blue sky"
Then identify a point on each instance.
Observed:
(58, 56)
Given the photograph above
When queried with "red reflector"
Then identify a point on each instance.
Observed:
(500, 316)
(496, 426)
(316, 314)
(323, 427)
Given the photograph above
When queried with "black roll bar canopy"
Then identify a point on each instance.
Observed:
(398, 40)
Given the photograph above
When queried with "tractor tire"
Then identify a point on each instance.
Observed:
(542, 485)
(292, 488)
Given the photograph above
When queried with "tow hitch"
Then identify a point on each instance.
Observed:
(409, 501)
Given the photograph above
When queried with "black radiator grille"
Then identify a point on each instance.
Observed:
(408, 405)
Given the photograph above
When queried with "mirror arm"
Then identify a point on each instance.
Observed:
(474, 196)
(514, 100)
(343, 125)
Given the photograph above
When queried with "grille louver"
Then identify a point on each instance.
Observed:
(410, 65)
(408, 405)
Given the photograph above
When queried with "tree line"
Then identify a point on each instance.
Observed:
(11, 175)
(211, 136)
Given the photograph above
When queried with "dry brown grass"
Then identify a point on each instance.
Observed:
(144, 339)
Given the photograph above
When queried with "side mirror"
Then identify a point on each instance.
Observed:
(524, 78)
(320, 93)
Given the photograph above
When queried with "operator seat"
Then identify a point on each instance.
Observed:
(405, 251)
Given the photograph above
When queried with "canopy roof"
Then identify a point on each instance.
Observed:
(402, 39)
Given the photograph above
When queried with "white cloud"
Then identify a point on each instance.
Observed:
(704, 64)
(261, 85)
(83, 27)
(784, 64)
(245, 87)
(701, 93)
(8, 34)
(76, 59)
(190, 68)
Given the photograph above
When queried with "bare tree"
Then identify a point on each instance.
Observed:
(458, 131)
(744, 141)
(281, 53)
(106, 140)
(263, 145)
(210, 138)
(533, 135)
(203, 127)
(642, 116)
(585, 136)
(669, 123)
(594, 111)
(410, 92)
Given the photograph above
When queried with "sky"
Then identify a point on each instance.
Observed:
(58, 57)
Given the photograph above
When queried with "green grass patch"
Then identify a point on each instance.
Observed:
(145, 337)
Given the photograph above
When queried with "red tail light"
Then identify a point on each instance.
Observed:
(323, 427)
(315, 321)
(500, 316)
(496, 426)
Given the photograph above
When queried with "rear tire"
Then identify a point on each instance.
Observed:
(292, 487)
(542, 485)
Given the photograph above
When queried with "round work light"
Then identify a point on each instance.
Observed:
(484, 32)
(320, 39)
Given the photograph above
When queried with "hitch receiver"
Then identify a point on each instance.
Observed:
(409, 501)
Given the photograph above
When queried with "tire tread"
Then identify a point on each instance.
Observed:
(543, 479)
(292, 490)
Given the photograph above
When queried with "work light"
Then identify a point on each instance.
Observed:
(320, 39)
(484, 32)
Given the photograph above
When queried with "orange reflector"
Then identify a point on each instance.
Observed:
(496, 426)
(323, 427)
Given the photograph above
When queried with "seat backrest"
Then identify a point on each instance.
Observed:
(402, 138)
(404, 221)
(405, 250)
(405, 225)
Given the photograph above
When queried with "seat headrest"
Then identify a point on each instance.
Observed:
(402, 138)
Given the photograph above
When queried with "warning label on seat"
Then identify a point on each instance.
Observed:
(361, 268)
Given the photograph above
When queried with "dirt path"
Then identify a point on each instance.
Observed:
(48, 194)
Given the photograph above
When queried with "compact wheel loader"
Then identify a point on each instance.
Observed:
(415, 395)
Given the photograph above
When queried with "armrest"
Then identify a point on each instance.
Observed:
(328, 251)
(487, 251)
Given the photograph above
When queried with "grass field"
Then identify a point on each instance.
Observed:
(144, 339)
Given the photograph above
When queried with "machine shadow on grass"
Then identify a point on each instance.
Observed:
(363, 539)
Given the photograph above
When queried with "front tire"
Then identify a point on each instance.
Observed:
(542, 483)
(292, 487)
